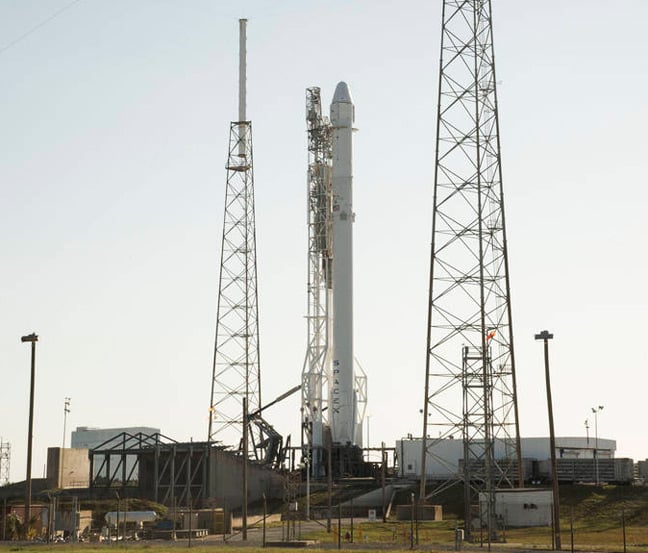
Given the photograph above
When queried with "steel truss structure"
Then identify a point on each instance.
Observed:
(236, 372)
(5, 462)
(315, 373)
(158, 467)
(470, 387)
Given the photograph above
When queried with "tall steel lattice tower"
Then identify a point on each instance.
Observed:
(470, 388)
(315, 373)
(5, 462)
(236, 373)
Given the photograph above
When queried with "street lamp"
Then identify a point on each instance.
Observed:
(31, 338)
(66, 410)
(596, 410)
(546, 336)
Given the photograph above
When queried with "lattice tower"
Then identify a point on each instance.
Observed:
(314, 374)
(470, 388)
(5, 462)
(236, 371)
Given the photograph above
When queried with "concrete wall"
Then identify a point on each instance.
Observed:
(226, 477)
(521, 507)
(68, 468)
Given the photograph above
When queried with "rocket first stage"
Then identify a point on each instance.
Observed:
(342, 396)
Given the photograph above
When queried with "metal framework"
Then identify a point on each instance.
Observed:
(315, 374)
(167, 471)
(236, 370)
(470, 388)
(5, 462)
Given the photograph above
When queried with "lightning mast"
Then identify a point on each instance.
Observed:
(470, 360)
(236, 373)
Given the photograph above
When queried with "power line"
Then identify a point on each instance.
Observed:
(41, 24)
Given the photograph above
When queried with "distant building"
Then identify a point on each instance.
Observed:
(89, 438)
(642, 470)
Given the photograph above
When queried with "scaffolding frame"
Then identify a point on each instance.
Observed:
(5, 462)
(315, 373)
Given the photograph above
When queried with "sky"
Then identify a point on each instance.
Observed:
(114, 126)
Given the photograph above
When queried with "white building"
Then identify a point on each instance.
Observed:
(442, 460)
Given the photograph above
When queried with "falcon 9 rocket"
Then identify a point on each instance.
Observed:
(342, 398)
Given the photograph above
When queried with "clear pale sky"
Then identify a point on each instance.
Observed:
(114, 122)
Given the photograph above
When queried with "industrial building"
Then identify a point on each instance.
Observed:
(579, 459)
(152, 466)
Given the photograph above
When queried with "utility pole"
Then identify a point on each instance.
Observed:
(383, 470)
(32, 339)
(546, 336)
(596, 410)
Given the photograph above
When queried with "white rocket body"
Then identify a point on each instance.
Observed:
(343, 401)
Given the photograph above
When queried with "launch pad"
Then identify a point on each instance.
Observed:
(348, 462)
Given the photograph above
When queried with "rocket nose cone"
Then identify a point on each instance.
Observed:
(342, 94)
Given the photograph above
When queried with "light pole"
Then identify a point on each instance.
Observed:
(587, 431)
(368, 440)
(32, 339)
(546, 336)
(308, 469)
(412, 520)
(596, 410)
(66, 410)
